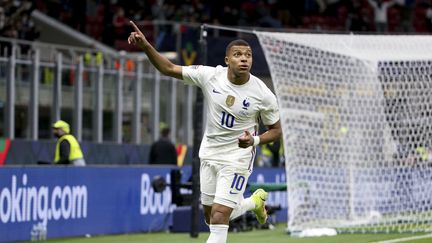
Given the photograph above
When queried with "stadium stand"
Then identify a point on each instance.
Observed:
(15, 21)
(103, 18)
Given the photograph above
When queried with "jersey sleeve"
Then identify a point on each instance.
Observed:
(270, 110)
(196, 74)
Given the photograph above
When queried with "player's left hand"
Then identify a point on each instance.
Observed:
(245, 140)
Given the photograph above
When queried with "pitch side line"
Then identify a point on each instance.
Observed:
(405, 239)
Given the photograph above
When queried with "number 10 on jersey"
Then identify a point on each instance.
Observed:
(227, 119)
(238, 182)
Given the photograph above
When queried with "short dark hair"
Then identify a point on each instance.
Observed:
(165, 132)
(238, 42)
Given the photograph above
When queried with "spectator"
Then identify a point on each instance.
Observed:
(163, 151)
(358, 17)
(2, 18)
(272, 154)
(429, 18)
(68, 150)
(407, 10)
(380, 12)
(119, 23)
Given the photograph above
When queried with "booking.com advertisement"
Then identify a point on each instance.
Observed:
(69, 201)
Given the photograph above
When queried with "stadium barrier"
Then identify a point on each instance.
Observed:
(69, 201)
(83, 86)
(94, 153)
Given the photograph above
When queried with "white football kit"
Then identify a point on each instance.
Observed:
(231, 110)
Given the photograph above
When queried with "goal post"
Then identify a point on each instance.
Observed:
(356, 114)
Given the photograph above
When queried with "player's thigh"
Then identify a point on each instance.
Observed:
(231, 184)
(208, 174)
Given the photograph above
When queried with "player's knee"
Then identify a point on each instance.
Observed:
(219, 217)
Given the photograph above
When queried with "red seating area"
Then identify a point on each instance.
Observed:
(418, 21)
(95, 24)
(101, 25)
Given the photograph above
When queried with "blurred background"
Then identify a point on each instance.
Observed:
(122, 101)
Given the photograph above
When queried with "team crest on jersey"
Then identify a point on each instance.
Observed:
(230, 100)
(246, 104)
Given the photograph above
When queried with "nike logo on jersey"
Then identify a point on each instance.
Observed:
(231, 192)
(217, 92)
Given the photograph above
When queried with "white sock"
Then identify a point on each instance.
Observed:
(218, 233)
(246, 204)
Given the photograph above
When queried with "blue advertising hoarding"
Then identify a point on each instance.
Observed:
(72, 201)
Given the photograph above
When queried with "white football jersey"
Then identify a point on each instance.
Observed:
(231, 110)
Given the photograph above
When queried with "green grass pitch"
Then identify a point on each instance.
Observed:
(277, 235)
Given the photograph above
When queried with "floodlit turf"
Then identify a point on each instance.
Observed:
(277, 235)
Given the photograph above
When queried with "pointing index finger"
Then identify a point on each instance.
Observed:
(135, 27)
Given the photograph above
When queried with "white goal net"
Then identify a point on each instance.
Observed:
(356, 114)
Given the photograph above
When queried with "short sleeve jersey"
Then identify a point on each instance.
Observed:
(231, 110)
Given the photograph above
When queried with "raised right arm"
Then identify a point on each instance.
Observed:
(160, 62)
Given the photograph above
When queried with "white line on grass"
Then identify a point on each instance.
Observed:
(405, 239)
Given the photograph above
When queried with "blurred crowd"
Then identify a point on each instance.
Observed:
(107, 20)
(15, 20)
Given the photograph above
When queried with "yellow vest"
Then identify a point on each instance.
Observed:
(98, 58)
(423, 153)
(75, 149)
(88, 59)
(265, 150)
